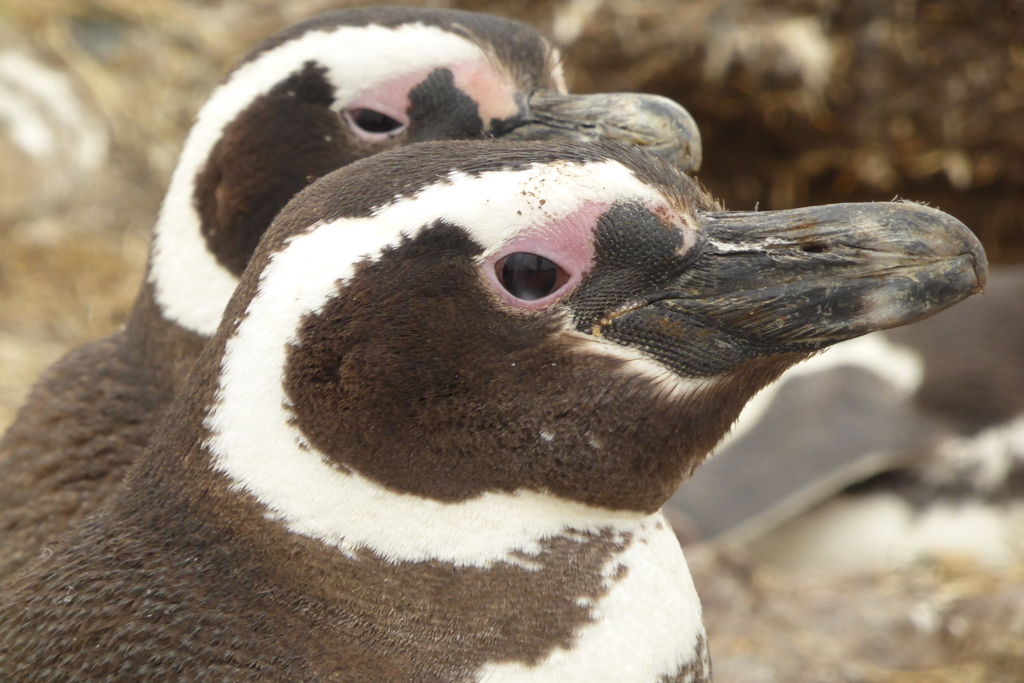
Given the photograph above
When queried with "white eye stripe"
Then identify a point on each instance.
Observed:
(190, 286)
(493, 207)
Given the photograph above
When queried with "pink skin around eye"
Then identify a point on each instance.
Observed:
(390, 99)
(669, 216)
(568, 242)
(493, 93)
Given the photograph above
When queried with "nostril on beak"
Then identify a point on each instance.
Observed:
(816, 248)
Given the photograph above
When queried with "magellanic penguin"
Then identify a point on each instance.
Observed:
(310, 99)
(432, 435)
(910, 444)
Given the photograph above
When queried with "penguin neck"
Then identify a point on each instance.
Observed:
(254, 441)
(600, 603)
(584, 606)
(163, 349)
(557, 579)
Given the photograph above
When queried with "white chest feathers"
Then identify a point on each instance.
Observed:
(647, 627)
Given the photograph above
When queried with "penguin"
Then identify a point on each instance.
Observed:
(310, 99)
(432, 435)
(910, 445)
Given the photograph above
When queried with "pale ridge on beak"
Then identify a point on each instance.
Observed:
(651, 122)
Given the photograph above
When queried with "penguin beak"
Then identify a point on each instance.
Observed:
(657, 124)
(802, 279)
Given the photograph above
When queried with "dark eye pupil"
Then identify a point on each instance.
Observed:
(374, 122)
(528, 276)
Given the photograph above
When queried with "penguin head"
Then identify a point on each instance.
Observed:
(353, 83)
(556, 331)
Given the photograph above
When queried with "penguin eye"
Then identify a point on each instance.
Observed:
(370, 121)
(529, 276)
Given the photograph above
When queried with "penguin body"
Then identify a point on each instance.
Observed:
(312, 98)
(432, 435)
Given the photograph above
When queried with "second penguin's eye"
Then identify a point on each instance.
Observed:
(372, 121)
(529, 276)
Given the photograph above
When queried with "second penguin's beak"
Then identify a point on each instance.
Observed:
(653, 123)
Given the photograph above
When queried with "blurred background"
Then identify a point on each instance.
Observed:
(799, 102)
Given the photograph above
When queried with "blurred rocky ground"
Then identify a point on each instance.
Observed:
(799, 102)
